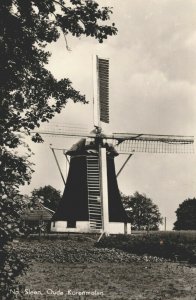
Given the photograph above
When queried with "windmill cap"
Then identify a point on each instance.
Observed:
(83, 147)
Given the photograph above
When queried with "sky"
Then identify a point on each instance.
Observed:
(152, 90)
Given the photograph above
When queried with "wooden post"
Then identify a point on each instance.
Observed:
(58, 165)
(104, 190)
(96, 104)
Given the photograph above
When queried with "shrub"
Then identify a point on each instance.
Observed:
(166, 246)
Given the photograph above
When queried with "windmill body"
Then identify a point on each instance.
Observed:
(91, 201)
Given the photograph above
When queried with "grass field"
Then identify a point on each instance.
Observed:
(69, 268)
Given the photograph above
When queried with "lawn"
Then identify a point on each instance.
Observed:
(74, 269)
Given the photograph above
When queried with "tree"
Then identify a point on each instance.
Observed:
(29, 93)
(50, 196)
(186, 215)
(143, 213)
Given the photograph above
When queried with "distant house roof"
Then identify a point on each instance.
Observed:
(39, 213)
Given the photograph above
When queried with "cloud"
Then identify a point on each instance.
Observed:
(153, 103)
(158, 31)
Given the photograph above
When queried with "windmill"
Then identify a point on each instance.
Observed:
(91, 201)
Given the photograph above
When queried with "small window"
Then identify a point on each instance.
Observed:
(53, 224)
(71, 224)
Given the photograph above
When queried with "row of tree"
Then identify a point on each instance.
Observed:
(143, 213)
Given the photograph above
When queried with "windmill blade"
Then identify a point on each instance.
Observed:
(65, 131)
(151, 143)
(101, 90)
(125, 142)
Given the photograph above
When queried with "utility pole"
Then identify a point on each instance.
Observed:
(165, 223)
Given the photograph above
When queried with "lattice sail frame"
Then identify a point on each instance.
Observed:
(149, 143)
(127, 143)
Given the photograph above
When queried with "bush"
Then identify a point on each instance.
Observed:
(11, 227)
(12, 264)
(167, 246)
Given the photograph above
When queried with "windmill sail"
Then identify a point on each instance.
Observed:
(151, 143)
(101, 90)
(131, 142)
